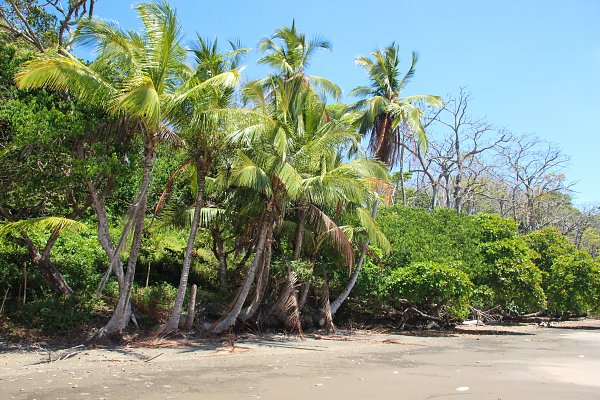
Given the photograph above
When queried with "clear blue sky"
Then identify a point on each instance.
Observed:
(531, 66)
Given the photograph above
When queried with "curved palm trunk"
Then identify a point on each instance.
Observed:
(173, 322)
(289, 295)
(346, 292)
(189, 319)
(122, 312)
(219, 253)
(303, 295)
(326, 309)
(299, 231)
(263, 241)
(261, 282)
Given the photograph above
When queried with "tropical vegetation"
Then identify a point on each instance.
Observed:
(154, 186)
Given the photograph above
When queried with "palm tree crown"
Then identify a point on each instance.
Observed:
(383, 113)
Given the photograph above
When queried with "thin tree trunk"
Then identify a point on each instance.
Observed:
(262, 278)
(189, 319)
(51, 274)
(303, 295)
(231, 317)
(173, 322)
(326, 309)
(346, 292)
(292, 305)
(299, 231)
(122, 312)
(400, 182)
(218, 250)
(24, 282)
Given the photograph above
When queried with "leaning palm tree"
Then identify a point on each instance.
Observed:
(383, 114)
(147, 80)
(202, 124)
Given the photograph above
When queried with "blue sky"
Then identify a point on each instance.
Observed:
(531, 66)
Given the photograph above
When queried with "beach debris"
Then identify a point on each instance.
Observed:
(462, 388)
(475, 322)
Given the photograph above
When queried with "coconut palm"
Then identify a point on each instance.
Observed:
(148, 80)
(202, 125)
(289, 52)
(386, 116)
(383, 113)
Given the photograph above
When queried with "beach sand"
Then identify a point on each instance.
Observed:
(482, 362)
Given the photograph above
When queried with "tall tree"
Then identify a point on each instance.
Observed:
(383, 112)
(202, 124)
(385, 116)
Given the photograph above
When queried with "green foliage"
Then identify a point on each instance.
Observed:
(417, 235)
(514, 280)
(570, 276)
(56, 315)
(433, 288)
(154, 301)
(493, 227)
(572, 284)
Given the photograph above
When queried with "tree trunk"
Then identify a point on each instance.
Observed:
(231, 317)
(262, 278)
(299, 231)
(218, 250)
(400, 182)
(303, 296)
(122, 312)
(327, 320)
(173, 322)
(51, 274)
(189, 319)
(434, 195)
(361, 259)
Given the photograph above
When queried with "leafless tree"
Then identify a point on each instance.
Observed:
(536, 170)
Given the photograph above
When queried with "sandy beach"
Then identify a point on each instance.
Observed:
(484, 362)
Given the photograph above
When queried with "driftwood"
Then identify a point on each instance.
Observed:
(498, 315)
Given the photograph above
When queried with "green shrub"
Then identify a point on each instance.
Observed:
(155, 301)
(494, 227)
(56, 314)
(570, 276)
(417, 235)
(509, 275)
(432, 288)
(572, 284)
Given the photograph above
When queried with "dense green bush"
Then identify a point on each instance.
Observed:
(572, 284)
(493, 227)
(154, 301)
(433, 288)
(56, 314)
(419, 235)
(509, 278)
(570, 277)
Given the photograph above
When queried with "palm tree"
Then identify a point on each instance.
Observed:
(201, 123)
(289, 52)
(148, 81)
(386, 117)
(262, 165)
(383, 113)
(21, 232)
